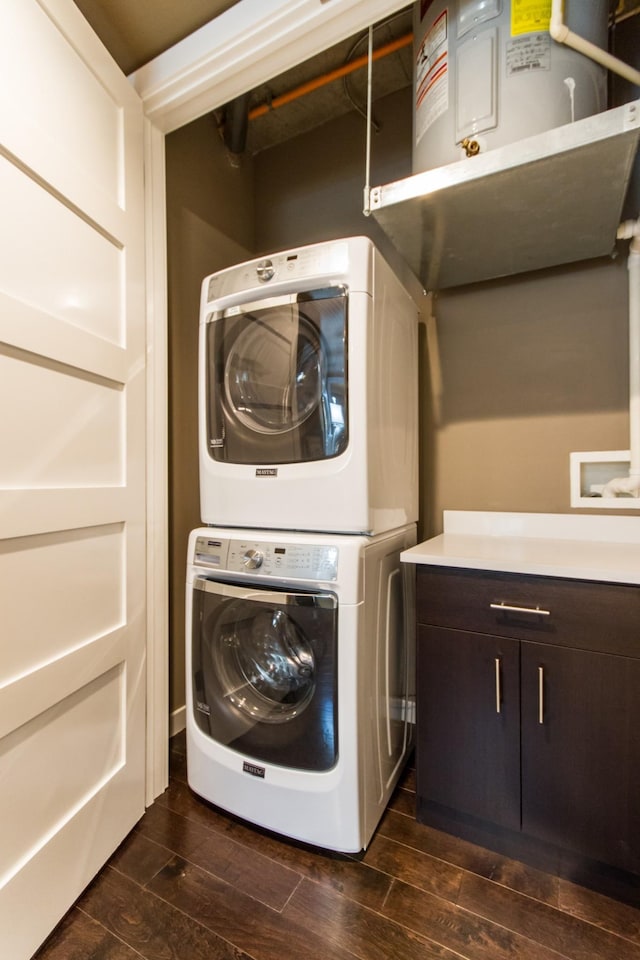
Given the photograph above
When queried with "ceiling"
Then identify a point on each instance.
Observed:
(136, 31)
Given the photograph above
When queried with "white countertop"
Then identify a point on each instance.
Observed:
(552, 545)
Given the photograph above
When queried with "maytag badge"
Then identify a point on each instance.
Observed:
(266, 471)
(253, 769)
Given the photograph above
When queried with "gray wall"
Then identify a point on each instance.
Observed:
(528, 368)
(532, 368)
(210, 225)
(311, 187)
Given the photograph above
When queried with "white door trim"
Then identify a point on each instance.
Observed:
(243, 47)
(157, 760)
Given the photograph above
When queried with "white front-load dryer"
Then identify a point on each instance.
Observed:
(308, 392)
(300, 678)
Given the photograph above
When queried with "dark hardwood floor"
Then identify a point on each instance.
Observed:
(191, 883)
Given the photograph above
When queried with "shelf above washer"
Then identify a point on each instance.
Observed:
(550, 199)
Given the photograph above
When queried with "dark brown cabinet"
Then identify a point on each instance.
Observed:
(469, 751)
(581, 752)
(528, 710)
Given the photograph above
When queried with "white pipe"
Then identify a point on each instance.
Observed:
(367, 186)
(561, 33)
(634, 353)
(631, 484)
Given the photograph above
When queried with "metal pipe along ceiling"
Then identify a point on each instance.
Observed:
(330, 76)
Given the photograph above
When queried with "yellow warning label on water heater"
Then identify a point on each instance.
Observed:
(529, 16)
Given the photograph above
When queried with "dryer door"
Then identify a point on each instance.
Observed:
(265, 672)
(276, 384)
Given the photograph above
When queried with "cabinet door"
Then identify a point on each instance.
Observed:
(581, 752)
(468, 716)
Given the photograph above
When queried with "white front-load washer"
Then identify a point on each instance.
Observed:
(308, 392)
(300, 678)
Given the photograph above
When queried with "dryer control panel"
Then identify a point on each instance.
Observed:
(295, 561)
(318, 263)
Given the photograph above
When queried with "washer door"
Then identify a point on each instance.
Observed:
(276, 379)
(264, 672)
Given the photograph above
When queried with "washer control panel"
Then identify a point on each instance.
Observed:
(294, 561)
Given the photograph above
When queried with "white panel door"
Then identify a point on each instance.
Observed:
(72, 468)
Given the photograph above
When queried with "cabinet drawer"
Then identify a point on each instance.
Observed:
(578, 613)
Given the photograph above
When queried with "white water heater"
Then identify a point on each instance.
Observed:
(487, 73)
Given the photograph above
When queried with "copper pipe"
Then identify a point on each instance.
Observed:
(329, 77)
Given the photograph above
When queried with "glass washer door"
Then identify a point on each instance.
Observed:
(266, 665)
(265, 672)
(277, 379)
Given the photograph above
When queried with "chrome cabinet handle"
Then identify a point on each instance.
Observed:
(513, 609)
(540, 694)
(498, 686)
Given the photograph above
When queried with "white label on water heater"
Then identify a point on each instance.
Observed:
(525, 54)
(432, 75)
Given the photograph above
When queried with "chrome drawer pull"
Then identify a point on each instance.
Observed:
(540, 694)
(498, 687)
(512, 609)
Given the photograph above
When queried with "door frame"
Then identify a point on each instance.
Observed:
(228, 56)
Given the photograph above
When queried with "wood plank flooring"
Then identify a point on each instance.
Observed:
(192, 883)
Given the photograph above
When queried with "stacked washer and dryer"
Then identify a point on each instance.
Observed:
(300, 642)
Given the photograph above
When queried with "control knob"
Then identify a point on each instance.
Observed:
(265, 270)
(252, 559)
